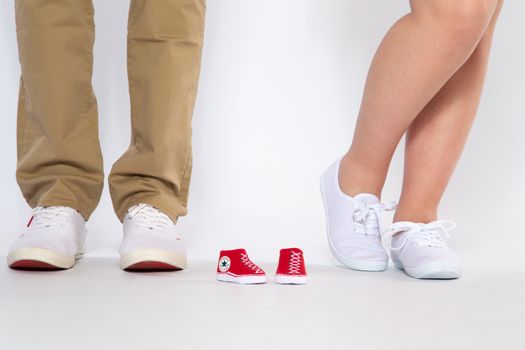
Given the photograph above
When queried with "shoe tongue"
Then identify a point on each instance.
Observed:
(56, 207)
(366, 198)
(290, 250)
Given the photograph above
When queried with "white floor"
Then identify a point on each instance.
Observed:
(97, 306)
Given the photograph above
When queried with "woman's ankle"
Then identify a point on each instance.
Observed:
(355, 177)
(419, 214)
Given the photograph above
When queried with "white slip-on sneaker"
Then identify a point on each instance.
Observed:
(150, 242)
(54, 239)
(354, 225)
(421, 249)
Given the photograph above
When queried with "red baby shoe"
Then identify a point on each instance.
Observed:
(291, 269)
(235, 266)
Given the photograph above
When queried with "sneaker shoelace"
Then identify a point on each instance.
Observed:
(432, 234)
(368, 216)
(294, 265)
(249, 264)
(146, 216)
(46, 217)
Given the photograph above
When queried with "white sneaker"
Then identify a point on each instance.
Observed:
(421, 249)
(54, 239)
(150, 241)
(353, 224)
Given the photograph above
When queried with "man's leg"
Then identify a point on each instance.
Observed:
(149, 183)
(164, 53)
(59, 162)
(59, 159)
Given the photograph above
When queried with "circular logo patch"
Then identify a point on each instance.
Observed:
(224, 264)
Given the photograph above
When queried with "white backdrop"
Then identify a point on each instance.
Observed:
(280, 88)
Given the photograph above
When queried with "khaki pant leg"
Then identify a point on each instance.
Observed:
(59, 158)
(164, 55)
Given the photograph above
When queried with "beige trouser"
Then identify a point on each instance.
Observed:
(59, 158)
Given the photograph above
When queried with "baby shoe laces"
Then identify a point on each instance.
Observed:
(248, 263)
(294, 265)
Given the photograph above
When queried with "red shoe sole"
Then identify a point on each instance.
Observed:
(34, 265)
(151, 266)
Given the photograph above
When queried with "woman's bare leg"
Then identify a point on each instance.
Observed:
(419, 54)
(436, 138)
